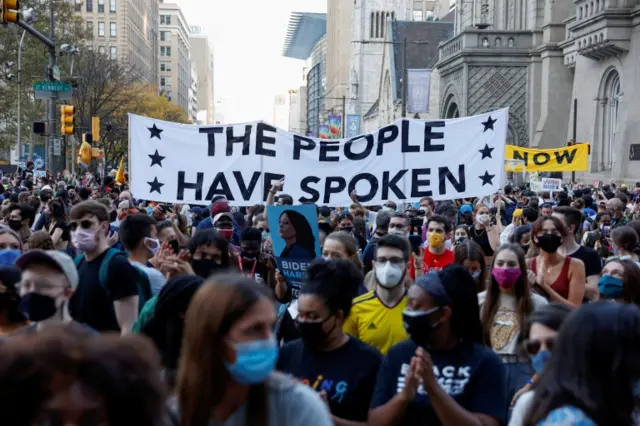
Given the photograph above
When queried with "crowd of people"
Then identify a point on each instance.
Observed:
(515, 309)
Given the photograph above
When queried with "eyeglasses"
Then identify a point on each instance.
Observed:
(533, 346)
(392, 260)
(84, 224)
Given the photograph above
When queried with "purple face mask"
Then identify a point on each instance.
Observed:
(506, 277)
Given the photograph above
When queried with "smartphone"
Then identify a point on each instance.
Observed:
(164, 207)
(606, 231)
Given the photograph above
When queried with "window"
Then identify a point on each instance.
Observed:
(417, 15)
(112, 6)
(165, 19)
(163, 81)
(113, 53)
(89, 5)
(165, 66)
(100, 6)
(165, 35)
(77, 6)
(168, 19)
(112, 29)
(100, 29)
(162, 19)
(610, 106)
(90, 27)
(165, 50)
(101, 50)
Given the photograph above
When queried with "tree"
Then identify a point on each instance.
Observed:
(70, 29)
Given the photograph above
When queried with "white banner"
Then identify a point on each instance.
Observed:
(418, 90)
(403, 161)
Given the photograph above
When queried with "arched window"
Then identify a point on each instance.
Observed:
(377, 24)
(610, 101)
(393, 16)
(373, 24)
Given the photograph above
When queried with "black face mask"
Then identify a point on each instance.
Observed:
(175, 246)
(550, 242)
(38, 307)
(16, 225)
(347, 229)
(418, 326)
(113, 216)
(205, 267)
(312, 333)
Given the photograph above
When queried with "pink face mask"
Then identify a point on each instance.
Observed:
(506, 277)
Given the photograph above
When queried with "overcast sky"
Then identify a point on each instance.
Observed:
(248, 36)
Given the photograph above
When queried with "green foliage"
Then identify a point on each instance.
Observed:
(70, 28)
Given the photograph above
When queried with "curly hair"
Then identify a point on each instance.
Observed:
(122, 371)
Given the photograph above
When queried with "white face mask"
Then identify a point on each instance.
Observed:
(387, 209)
(396, 231)
(481, 218)
(388, 275)
(153, 244)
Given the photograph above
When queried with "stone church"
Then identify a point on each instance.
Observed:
(543, 59)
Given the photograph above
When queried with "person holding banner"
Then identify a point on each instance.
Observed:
(295, 230)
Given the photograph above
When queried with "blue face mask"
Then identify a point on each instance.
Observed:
(611, 287)
(255, 361)
(539, 360)
(265, 235)
(9, 256)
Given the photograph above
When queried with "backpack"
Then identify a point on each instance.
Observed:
(142, 280)
(146, 313)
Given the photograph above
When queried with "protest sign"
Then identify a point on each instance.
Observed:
(566, 159)
(403, 161)
(296, 241)
(550, 184)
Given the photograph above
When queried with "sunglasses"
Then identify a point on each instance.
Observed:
(533, 346)
(84, 224)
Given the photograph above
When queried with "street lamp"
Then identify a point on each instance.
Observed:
(70, 50)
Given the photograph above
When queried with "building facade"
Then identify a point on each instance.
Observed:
(280, 115)
(175, 56)
(339, 16)
(298, 110)
(193, 94)
(316, 85)
(202, 55)
(542, 58)
(125, 30)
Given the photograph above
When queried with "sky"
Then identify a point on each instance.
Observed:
(248, 37)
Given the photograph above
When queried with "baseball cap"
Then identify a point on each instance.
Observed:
(217, 217)
(220, 206)
(58, 259)
(466, 208)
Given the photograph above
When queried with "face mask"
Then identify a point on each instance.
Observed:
(204, 267)
(38, 307)
(250, 256)
(636, 389)
(506, 277)
(122, 215)
(153, 246)
(435, 239)
(550, 242)
(175, 246)
(418, 326)
(255, 361)
(476, 275)
(396, 231)
(16, 225)
(387, 209)
(460, 240)
(389, 275)
(149, 211)
(225, 233)
(611, 287)
(84, 239)
(481, 218)
(539, 360)
(312, 333)
(347, 229)
(265, 235)
(113, 216)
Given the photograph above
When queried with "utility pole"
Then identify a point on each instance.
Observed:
(344, 116)
(19, 133)
(405, 73)
(575, 131)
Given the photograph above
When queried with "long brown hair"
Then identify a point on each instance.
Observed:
(524, 304)
(470, 250)
(202, 375)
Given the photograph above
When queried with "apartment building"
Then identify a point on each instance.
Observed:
(174, 57)
(202, 56)
(126, 30)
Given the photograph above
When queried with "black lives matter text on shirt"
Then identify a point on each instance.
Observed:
(472, 374)
(346, 374)
(222, 140)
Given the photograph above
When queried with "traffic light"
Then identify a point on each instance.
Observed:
(67, 120)
(95, 128)
(9, 11)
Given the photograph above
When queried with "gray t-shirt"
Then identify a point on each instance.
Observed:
(290, 404)
(156, 279)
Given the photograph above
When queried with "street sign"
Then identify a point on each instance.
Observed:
(55, 73)
(353, 125)
(51, 86)
(57, 146)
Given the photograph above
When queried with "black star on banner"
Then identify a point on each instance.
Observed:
(155, 186)
(155, 132)
(488, 124)
(486, 152)
(157, 159)
(486, 179)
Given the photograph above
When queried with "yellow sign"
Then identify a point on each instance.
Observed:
(566, 159)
